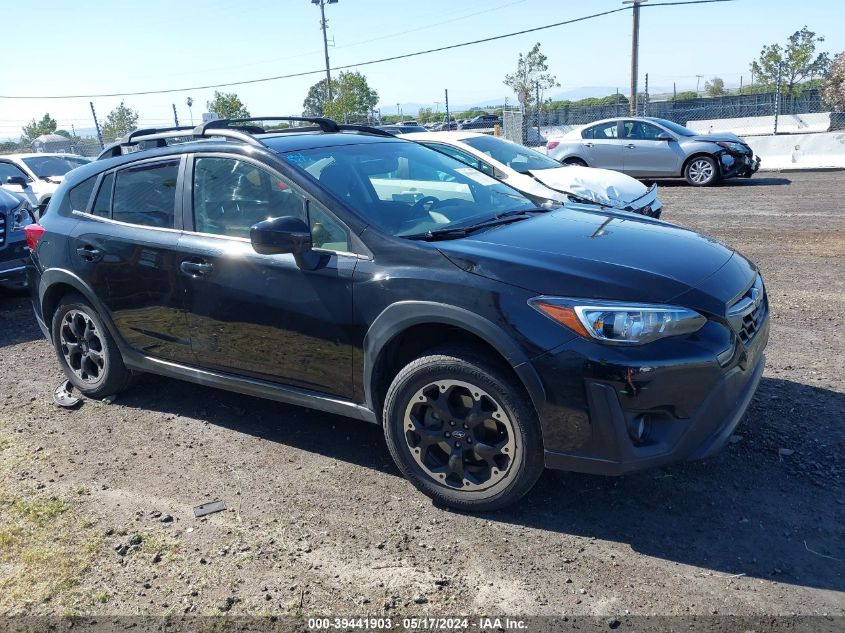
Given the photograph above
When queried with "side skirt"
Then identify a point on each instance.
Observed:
(250, 387)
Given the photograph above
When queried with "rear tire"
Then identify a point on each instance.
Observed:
(574, 161)
(461, 432)
(86, 350)
(701, 171)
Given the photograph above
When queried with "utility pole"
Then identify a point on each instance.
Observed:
(324, 25)
(175, 116)
(97, 125)
(645, 97)
(777, 99)
(635, 53)
(448, 122)
(399, 112)
(697, 83)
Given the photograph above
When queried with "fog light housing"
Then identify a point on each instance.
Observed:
(639, 427)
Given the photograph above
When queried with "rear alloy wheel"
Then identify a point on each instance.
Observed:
(86, 351)
(701, 171)
(574, 161)
(462, 433)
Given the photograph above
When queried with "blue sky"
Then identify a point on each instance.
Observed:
(94, 46)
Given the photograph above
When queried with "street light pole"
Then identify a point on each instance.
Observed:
(635, 52)
(324, 26)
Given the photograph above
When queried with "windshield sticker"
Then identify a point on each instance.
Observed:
(477, 176)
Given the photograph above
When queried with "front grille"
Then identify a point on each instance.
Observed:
(2, 229)
(747, 314)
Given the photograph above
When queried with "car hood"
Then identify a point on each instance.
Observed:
(603, 255)
(715, 137)
(602, 186)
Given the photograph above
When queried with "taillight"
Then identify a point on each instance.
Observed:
(33, 233)
(552, 144)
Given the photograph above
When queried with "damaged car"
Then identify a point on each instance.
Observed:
(648, 147)
(542, 179)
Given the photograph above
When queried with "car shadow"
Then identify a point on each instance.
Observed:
(748, 511)
(18, 320)
(730, 182)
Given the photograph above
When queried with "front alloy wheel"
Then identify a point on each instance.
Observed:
(702, 171)
(462, 430)
(459, 435)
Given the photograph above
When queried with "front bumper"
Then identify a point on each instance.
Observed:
(13, 258)
(691, 400)
(738, 165)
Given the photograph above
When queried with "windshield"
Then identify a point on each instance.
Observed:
(407, 189)
(517, 157)
(46, 166)
(677, 129)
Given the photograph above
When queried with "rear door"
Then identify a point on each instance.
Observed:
(125, 248)
(600, 146)
(262, 315)
(644, 154)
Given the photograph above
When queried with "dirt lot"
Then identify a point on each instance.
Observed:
(321, 523)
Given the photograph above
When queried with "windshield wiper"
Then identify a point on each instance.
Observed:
(463, 231)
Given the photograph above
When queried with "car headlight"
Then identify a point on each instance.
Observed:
(739, 148)
(619, 323)
(22, 216)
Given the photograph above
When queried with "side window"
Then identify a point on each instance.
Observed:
(9, 170)
(146, 194)
(102, 203)
(589, 132)
(326, 232)
(639, 131)
(80, 195)
(464, 157)
(231, 195)
(605, 131)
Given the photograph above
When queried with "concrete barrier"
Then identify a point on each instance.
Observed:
(799, 151)
(762, 125)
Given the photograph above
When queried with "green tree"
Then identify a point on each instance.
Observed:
(715, 87)
(317, 97)
(8, 146)
(227, 105)
(684, 95)
(120, 122)
(353, 98)
(797, 61)
(425, 115)
(833, 87)
(47, 125)
(532, 73)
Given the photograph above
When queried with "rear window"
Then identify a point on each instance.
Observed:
(146, 194)
(78, 197)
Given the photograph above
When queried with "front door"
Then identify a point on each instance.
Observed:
(125, 248)
(261, 315)
(600, 146)
(644, 154)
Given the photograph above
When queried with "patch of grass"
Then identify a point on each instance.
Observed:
(46, 543)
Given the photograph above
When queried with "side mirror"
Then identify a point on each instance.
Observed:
(17, 180)
(663, 136)
(280, 235)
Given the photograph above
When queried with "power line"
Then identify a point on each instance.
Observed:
(359, 64)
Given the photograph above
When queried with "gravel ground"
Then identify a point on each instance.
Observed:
(96, 503)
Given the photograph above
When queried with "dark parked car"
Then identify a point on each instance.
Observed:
(15, 215)
(402, 129)
(352, 272)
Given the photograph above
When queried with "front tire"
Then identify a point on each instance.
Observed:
(461, 432)
(701, 171)
(86, 350)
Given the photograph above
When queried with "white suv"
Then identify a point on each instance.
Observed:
(35, 177)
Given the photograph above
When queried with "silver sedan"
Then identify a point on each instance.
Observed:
(647, 147)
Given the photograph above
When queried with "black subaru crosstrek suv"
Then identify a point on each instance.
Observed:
(342, 269)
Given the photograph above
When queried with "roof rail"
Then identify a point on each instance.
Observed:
(325, 125)
(366, 128)
(127, 140)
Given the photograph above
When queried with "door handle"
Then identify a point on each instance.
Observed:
(630, 146)
(588, 144)
(89, 253)
(196, 269)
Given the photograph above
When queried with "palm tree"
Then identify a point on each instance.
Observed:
(190, 102)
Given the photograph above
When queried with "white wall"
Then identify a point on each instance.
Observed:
(799, 151)
(761, 125)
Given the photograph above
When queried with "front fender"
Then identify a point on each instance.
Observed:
(400, 316)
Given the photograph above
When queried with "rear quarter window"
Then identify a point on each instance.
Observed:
(79, 196)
